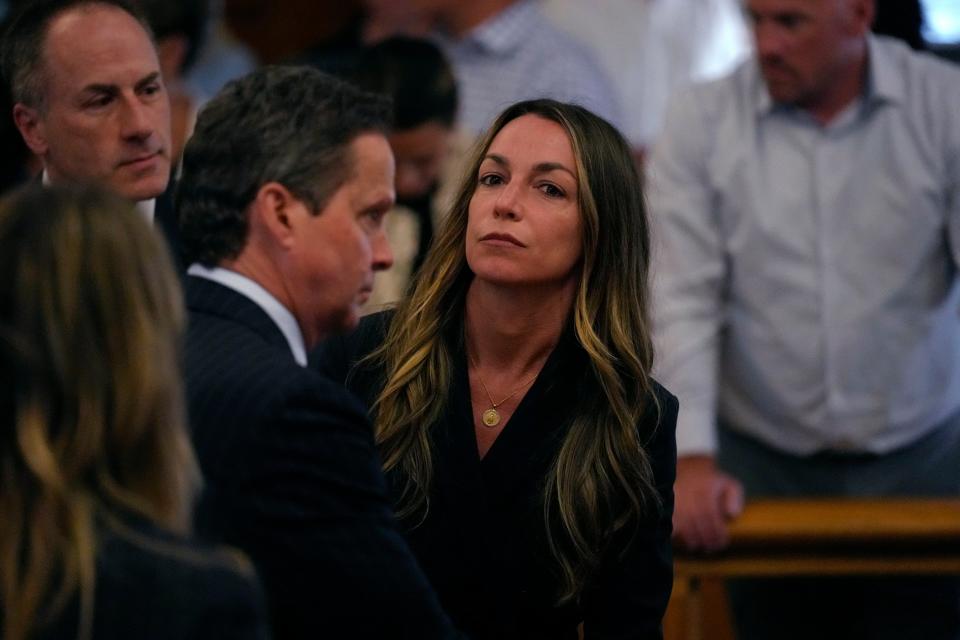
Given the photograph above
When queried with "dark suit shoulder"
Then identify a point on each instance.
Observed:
(239, 360)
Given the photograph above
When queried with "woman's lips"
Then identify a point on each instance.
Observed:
(501, 239)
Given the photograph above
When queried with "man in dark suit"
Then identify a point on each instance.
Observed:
(89, 99)
(285, 185)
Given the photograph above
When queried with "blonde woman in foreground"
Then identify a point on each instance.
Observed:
(96, 472)
(529, 453)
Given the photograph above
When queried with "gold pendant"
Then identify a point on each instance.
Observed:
(491, 417)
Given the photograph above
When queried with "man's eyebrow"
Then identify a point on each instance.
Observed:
(149, 79)
(112, 88)
(100, 88)
(385, 202)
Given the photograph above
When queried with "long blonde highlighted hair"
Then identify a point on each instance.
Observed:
(92, 421)
(600, 483)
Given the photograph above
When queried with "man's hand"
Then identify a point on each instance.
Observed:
(706, 498)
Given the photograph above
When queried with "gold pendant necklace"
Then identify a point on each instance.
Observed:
(491, 417)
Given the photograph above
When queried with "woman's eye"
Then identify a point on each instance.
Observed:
(491, 179)
(551, 190)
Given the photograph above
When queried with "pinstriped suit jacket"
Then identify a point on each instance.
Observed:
(293, 479)
(165, 219)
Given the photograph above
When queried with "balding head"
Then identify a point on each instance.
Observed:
(811, 52)
(89, 99)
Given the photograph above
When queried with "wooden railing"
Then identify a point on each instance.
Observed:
(818, 537)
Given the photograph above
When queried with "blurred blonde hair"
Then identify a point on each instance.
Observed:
(600, 483)
(92, 411)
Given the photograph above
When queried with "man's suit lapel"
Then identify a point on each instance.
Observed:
(212, 298)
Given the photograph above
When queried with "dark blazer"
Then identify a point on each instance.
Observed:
(483, 543)
(152, 585)
(165, 219)
(293, 479)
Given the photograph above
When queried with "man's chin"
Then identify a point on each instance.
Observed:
(782, 90)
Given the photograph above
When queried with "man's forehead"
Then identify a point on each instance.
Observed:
(788, 6)
(89, 42)
(372, 170)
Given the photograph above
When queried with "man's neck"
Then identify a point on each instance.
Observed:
(847, 85)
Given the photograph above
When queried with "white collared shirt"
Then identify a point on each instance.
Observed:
(248, 288)
(516, 55)
(145, 207)
(806, 280)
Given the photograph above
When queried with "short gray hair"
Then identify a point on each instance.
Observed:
(291, 125)
(21, 56)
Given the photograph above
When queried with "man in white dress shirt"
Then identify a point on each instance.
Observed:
(807, 209)
(504, 51)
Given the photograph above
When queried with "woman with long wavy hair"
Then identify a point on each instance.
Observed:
(530, 454)
(97, 476)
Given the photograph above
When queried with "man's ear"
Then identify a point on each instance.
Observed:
(31, 127)
(864, 11)
(172, 51)
(274, 213)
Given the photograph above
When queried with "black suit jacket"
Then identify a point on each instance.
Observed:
(152, 585)
(293, 479)
(483, 544)
(166, 220)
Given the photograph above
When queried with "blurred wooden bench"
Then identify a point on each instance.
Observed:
(818, 537)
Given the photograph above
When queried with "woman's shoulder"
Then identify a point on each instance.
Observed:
(659, 404)
(659, 421)
(138, 540)
(145, 572)
(664, 398)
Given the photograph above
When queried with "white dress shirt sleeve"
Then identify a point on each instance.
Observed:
(953, 194)
(688, 272)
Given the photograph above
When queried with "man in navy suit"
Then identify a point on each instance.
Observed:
(285, 185)
(89, 99)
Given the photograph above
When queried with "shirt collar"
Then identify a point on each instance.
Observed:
(505, 31)
(251, 289)
(882, 85)
(145, 207)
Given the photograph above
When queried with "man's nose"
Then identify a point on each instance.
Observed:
(382, 257)
(137, 121)
(769, 40)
